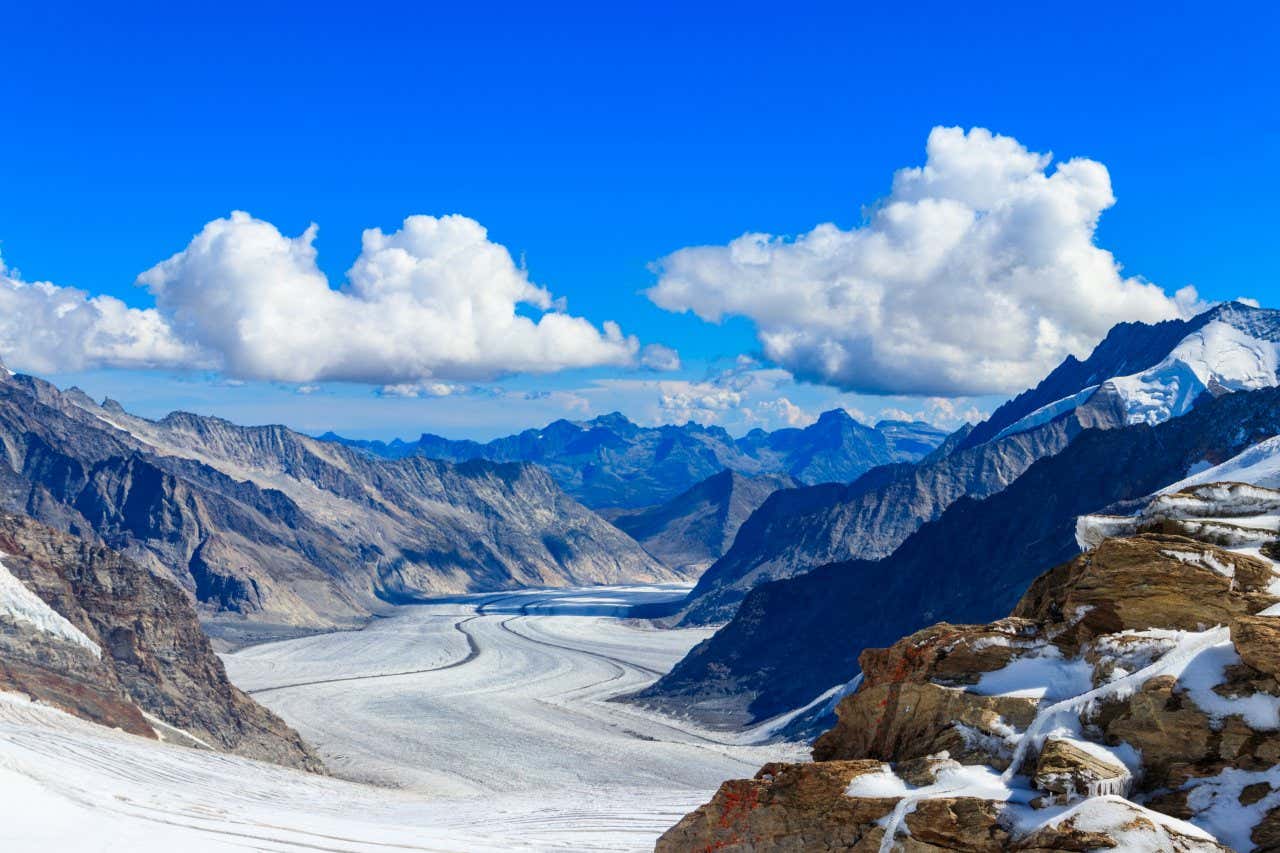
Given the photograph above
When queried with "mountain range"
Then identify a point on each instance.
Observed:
(1139, 373)
(610, 462)
(1110, 438)
(268, 529)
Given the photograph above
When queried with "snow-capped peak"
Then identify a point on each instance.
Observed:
(1232, 347)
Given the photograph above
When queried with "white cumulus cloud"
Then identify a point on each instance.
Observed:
(436, 299)
(47, 328)
(976, 275)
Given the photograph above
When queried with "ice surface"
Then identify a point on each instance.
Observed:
(491, 717)
(1258, 465)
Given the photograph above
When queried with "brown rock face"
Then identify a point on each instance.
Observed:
(953, 654)
(914, 712)
(910, 704)
(1068, 771)
(897, 722)
(787, 807)
(1257, 641)
(1149, 581)
(155, 658)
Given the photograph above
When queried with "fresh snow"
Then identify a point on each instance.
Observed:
(1115, 816)
(22, 605)
(1218, 355)
(1046, 413)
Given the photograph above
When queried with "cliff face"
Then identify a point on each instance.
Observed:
(1130, 701)
(266, 527)
(89, 631)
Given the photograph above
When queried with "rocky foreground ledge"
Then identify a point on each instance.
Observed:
(1130, 702)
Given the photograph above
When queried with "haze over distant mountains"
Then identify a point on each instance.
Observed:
(609, 461)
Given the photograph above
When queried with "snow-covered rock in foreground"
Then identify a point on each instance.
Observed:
(1130, 702)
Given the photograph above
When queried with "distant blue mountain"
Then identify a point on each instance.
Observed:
(610, 462)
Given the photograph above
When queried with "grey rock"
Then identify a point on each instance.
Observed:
(694, 529)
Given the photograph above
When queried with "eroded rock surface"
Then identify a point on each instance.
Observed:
(1130, 702)
(110, 642)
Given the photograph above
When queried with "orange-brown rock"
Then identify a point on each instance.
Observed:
(955, 654)
(897, 722)
(1149, 581)
(786, 807)
(1257, 641)
(1266, 835)
(1068, 771)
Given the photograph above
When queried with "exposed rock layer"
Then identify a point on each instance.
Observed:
(154, 660)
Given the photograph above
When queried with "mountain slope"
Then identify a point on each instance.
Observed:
(1178, 363)
(693, 529)
(611, 462)
(88, 631)
(264, 524)
(792, 640)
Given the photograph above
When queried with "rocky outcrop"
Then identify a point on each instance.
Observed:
(792, 640)
(804, 808)
(108, 641)
(694, 529)
(265, 528)
(609, 462)
(1129, 702)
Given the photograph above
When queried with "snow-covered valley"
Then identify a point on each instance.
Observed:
(486, 723)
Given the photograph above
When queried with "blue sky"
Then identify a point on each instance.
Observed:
(592, 142)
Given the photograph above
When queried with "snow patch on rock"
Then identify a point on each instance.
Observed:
(22, 605)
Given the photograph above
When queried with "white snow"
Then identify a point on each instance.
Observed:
(1046, 413)
(1217, 355)
(1221, 356)
(22, 605)
(1042, 674)
(1216, 802)
(1116, 817)
(1258, 465)
(514, 744)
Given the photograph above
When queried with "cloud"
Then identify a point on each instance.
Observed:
(976, 275)
(660, 358)
(436, 299)
(422, 389)
(944, 412)
(47, 328)
(783, 411)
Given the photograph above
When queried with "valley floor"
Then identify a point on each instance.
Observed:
(490, 716)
